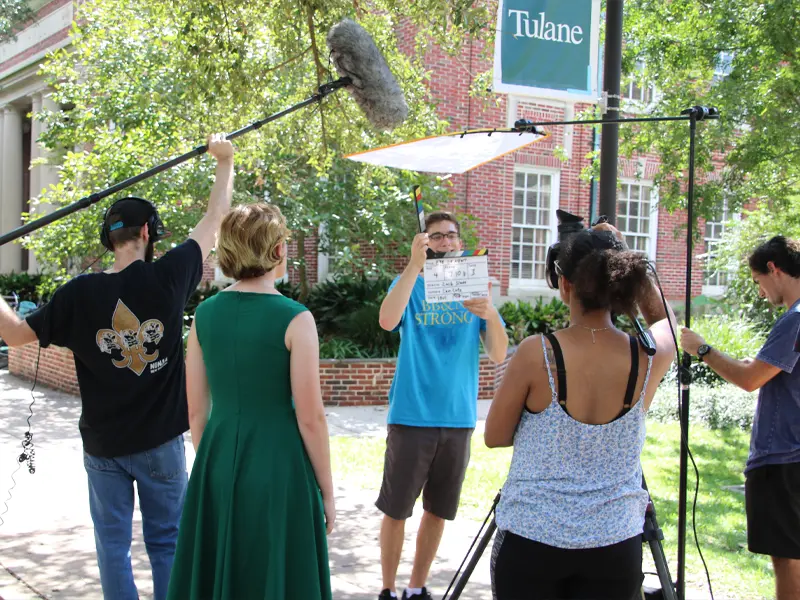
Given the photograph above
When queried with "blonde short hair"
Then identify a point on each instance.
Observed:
(250, 240)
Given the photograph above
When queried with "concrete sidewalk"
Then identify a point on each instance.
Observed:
(47, 542)
(46, 537)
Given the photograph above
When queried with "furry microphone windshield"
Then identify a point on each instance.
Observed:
(373, 86)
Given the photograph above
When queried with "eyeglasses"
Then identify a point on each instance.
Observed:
(437, 237)
(558, 269)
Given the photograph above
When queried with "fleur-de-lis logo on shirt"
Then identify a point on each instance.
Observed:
(130, 343)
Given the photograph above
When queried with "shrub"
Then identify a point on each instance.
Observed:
(341, 348)
(524, 319)
(26, 286)
(718, 407)
(729, 334)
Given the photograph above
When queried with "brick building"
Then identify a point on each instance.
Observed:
(513, 198)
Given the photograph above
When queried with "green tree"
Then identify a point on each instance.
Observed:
(740, 56)
(13, 14)
(738, 242)
(146, 81)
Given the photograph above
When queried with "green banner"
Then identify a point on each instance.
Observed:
(547, 47)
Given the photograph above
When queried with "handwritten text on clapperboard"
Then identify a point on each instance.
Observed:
(455, 279)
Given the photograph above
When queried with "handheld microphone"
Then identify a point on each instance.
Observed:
(372, 84)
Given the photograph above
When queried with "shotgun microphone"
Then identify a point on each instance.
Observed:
(372, 84)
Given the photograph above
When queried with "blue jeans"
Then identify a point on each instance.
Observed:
(161, 479)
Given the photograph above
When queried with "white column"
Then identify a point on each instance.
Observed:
(48, 175)
(11, 188)
(36, 150)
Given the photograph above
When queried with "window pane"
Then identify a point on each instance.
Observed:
(519, 180)
(519, 198)
(514, 252)
(539, 271)
(542, 236)
(545, 183)
(633, 209)
(527, 271)
(515, 270)
(527, 236)
(517, 234)
(518, 216)
(544, 200)
(634, 192)
(527, 253)
(530, 217)
(533, 181)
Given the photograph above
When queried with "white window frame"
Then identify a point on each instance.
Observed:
(633, 105)
(716, 290)
(519, 284)
(652, 234)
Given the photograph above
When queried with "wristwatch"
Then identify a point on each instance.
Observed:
(703, 350)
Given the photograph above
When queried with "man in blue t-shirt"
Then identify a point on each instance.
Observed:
(432, 404)
(772, 474)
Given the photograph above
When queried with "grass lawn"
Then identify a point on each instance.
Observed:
(720, 519)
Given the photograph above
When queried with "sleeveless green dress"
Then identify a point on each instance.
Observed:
(253, 525)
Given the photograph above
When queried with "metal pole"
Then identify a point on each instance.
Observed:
(686, 375)
(87, 201)
(609, 139)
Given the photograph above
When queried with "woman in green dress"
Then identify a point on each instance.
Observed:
(260, 498)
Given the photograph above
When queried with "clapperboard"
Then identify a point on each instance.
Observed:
(452, 276)
(457, 276)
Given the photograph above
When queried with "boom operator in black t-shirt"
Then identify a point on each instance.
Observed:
(125, 329)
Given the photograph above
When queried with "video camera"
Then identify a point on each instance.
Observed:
(568, 226)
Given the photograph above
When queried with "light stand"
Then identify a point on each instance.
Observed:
(652, 533)
(87, 201)
(696, 113)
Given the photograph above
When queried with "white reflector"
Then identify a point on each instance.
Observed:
(451, 153)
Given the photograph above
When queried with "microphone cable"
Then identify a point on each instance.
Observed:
(28, 454)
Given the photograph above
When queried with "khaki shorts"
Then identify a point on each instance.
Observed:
(433, 458)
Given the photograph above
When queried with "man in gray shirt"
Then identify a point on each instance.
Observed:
(772, 473)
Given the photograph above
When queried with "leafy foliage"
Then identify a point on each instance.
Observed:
(740, 56)
(718, 407)
(728, 333)
(13, 15)
(147, 81)
(26, 286)
(740, 239)
(524, 319)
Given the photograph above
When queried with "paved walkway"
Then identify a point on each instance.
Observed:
(46, 538)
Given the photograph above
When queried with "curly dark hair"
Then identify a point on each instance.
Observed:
(603, 272)
(782, 252)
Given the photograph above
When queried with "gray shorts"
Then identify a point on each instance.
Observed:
(433, 458)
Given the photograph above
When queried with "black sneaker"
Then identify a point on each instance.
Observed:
(387, 595)
(425, 595)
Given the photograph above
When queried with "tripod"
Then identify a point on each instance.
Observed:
(651, 534)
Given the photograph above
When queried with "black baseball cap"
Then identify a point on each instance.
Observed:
(134, 212)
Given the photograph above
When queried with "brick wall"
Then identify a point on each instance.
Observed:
(56, 366)
(352, 382)
(487, 192)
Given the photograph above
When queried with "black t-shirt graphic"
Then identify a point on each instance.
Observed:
(126, 332)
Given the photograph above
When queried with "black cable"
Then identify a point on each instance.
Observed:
(684, 437)
(28, 451)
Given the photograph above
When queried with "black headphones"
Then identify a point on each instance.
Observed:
(154, 225)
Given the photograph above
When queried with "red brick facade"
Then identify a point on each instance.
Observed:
(344, 382)
(487, 193)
